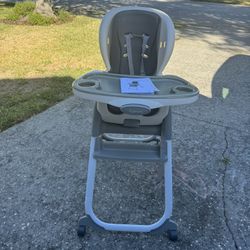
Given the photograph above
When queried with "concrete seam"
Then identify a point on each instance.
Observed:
(223, 190)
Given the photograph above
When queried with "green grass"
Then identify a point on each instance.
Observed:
(64, 16)
(39, 63)
(241, 2)
(5, 11)
(18, 105)
(37, 19)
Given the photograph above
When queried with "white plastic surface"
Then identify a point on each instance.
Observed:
(120, 101)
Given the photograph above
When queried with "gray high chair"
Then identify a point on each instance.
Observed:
(135, 42)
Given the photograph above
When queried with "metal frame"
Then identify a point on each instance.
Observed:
(128, 227)
(100, 130)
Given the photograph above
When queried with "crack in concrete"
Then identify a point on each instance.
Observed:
(223, 190)
(225, 161)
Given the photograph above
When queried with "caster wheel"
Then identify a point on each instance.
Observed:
(81, 231)
(172, 235)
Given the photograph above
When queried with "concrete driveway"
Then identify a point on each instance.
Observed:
(43, 160)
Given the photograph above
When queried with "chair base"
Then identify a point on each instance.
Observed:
(162, 152)
(169, 227)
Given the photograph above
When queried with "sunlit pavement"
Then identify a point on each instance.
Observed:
(43, 160)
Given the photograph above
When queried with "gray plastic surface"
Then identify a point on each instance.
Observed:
(100, 127)
(135, 109)
(132, 123)
(128, 151)
(131, 151)
(114, 114)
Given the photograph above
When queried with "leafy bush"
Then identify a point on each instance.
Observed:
(38, 19)
(24, 12)
(21, 9)
(13, 16)
(24, 8)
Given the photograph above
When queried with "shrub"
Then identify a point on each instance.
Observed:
(24, 8)
(38, 19)
(21, 9)
(64, 16)
(13, 16)
(24, 12)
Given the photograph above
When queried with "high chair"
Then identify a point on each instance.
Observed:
(135, 43)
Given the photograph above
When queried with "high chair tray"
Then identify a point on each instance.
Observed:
(105, 87)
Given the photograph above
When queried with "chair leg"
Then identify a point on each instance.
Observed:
(163, 224)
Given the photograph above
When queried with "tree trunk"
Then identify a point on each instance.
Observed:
(44, 7)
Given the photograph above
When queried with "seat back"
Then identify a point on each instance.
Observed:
(136, 40)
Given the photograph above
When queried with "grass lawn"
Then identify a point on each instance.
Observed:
(242, 2)
(39, 63)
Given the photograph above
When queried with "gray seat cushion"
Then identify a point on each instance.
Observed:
(136, 22)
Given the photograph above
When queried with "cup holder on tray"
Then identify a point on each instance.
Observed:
(88, 83)
(181, 89)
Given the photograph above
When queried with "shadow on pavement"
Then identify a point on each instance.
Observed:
(198, 19)
(230, 96)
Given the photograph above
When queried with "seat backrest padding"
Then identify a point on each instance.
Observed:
(137, 22)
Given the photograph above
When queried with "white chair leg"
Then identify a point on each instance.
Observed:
(163, 222)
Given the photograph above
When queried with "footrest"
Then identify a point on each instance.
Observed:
(127, 151)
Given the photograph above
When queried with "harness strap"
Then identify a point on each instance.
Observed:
(143, 55)
(129, 53)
